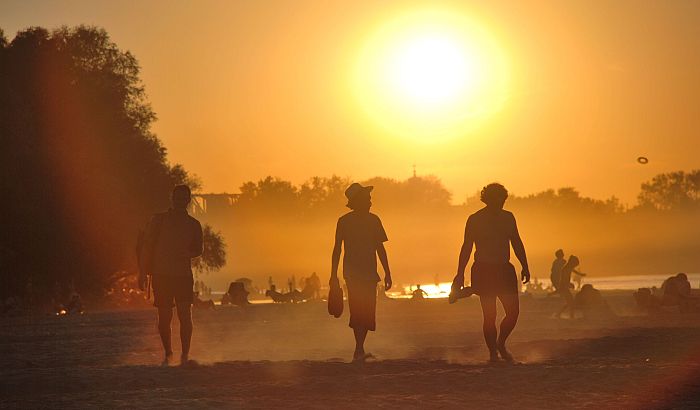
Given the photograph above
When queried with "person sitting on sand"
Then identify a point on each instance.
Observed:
(237, 293)
(172, 239)
(493, 230)
(419, 294)
(361, 236)
(565, 285)
(590, 301)
(677, 292)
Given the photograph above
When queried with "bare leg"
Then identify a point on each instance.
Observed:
(184, 314)
(360, 336)
(488, 308)
(165, 316)
(511, 306)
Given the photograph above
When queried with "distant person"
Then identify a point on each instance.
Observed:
(315, 284)
(493, 230)
(237, 293)
(361, 235)
(676, 291)
(590, 302)
(565, 285)
(555, 271)
(173, 238)
(419, 294)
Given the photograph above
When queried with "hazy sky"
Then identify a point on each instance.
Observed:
(243, 89)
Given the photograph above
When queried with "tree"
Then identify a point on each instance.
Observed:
(214, 253)
(82, 170)
(674, 190)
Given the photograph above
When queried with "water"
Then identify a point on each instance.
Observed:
(622, 282)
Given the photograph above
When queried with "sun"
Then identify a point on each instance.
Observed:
(431, 74)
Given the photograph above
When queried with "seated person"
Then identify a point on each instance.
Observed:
(591, 302)
(225, 299)
(419, 294)
(238, 294)
(646, 299)
(202, 304)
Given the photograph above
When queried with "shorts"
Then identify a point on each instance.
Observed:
(494, 279)
(362, 300)
(172, 290)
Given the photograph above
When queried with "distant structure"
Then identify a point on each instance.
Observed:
(212, 204)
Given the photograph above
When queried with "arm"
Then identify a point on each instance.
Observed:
(579, 273)
(197, 242)
(381, 252)
(464, 254)
(335, 259)
(519, 250)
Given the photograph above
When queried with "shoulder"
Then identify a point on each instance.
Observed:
(345, 217)
(375, 217)
(507, 215)
(193, 221)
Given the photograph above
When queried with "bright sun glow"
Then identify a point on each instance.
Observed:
(431, 74)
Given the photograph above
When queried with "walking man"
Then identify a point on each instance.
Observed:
(173, 238)
(362, 236)
(493, 230)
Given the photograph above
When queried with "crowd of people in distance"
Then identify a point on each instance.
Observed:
(311, 290)
(675, 293)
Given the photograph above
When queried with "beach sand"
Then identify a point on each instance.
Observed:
(428, 354)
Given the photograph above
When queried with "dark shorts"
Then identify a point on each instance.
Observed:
(494, 279)
(362, 300)
(172, 290)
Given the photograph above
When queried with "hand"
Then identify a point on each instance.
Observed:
(334, 283)
(387, 282)
(458, 281)
(525, 275)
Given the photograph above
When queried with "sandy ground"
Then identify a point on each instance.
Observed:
(429, 355)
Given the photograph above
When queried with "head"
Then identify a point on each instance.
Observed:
(559, 254)
(573, 261)
(418, 286)
(181, 197)
(683, 277)
(359, 197)
(494, 195)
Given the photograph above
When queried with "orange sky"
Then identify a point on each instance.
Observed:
(246, 89)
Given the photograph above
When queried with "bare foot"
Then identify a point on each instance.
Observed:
(493, 357)
(505, 354)
(185, 361)
(361, 357)
(167, 359)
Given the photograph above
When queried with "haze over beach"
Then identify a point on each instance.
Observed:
(305, 204)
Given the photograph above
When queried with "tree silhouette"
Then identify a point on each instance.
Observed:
(81, 169)
(675, 190)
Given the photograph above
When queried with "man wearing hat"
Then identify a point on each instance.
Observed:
(362, 236)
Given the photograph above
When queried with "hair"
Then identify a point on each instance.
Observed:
(494, 194)
(359, 201)
(182, 189)
(559, 252)
(573, 261)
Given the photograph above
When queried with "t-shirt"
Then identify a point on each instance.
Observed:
(178, 240)
(361, 233)
(555, 273)
(491, 231)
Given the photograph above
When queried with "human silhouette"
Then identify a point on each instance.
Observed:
(493, 230)
(173, 238)
(565, 285)
(419, 294)
(237, 294)
(555, 271)
(361, 236)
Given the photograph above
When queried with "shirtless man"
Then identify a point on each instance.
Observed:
(172, 239)
(493, 230)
